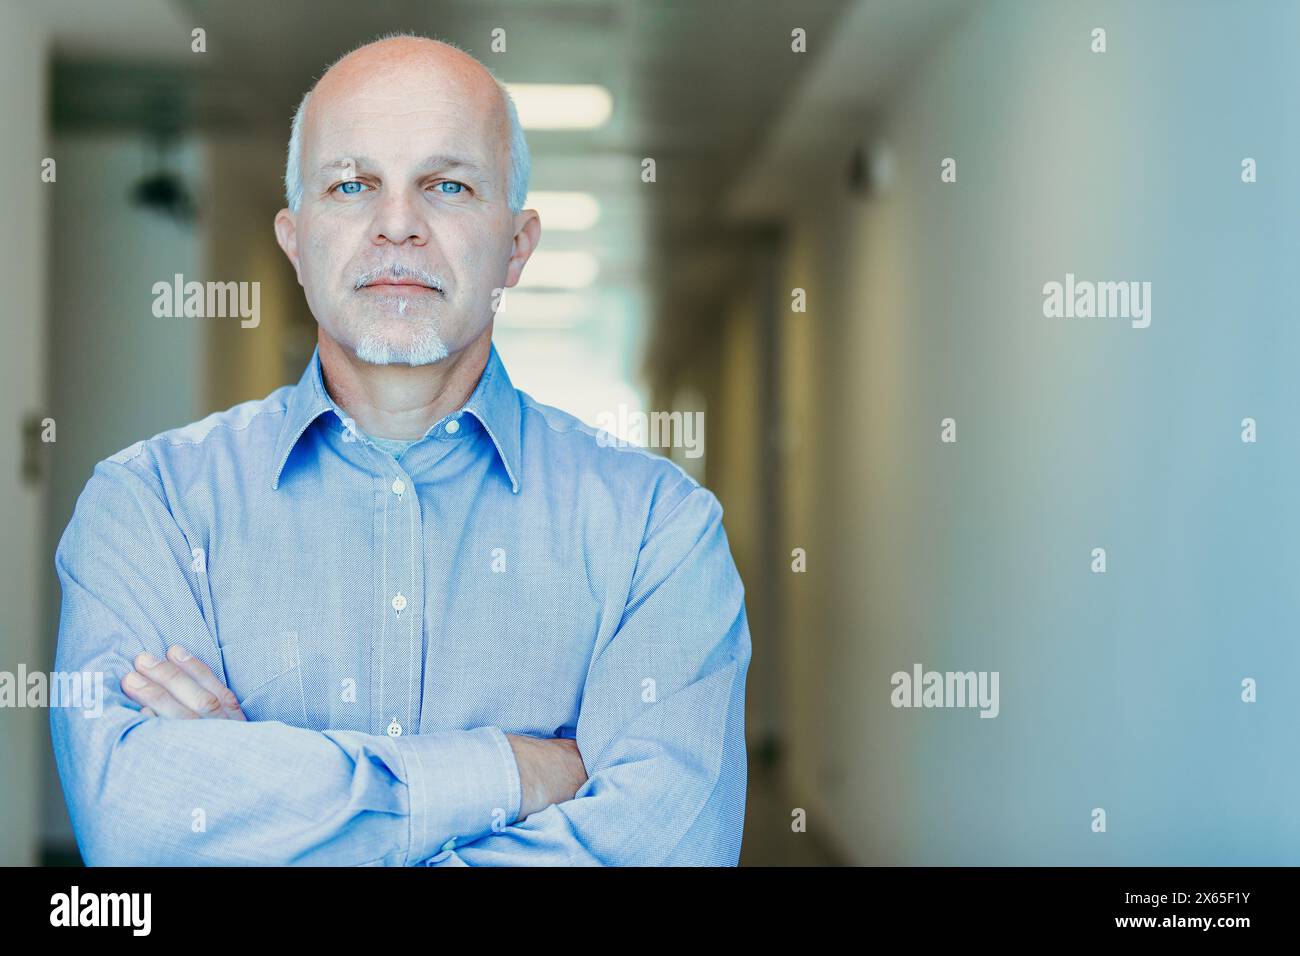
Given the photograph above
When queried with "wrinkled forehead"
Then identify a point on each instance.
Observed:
(400, 114)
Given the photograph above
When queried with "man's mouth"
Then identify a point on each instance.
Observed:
(400, 280)
(404, 286)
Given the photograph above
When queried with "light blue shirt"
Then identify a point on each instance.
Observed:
(384, 622)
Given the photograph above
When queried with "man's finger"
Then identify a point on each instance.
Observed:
(145, 692)
(202, 674)
(148, 712)
(180, 685)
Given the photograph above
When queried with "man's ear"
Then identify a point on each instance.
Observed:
(528, 233)
(286, 234)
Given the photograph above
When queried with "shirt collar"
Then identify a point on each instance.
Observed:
(494, 402)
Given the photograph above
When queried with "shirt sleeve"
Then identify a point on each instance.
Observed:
(661, 726)
(154, 791)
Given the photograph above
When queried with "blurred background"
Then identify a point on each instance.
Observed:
(781, 169)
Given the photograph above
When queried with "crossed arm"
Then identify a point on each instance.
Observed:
(662, 778)
(182, 687)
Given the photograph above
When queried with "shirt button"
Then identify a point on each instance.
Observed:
(399, 602)
(453, 426)
(399, 486)
(449, 845)
(394, 729)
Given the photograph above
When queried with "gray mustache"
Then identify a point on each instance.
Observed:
(432, 280)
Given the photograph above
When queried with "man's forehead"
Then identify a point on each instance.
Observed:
(431, 108)
(433, 123)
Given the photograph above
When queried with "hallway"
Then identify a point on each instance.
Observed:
(979, 331)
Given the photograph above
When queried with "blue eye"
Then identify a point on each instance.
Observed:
(347, 191)
(460, 187)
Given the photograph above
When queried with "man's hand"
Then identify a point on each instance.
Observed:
(181, 687)
(550, 771)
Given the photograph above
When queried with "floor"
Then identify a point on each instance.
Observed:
(769, 839)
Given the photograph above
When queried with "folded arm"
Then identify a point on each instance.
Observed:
(143, 790)
(661, 728)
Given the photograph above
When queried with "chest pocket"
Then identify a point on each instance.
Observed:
(265, 674)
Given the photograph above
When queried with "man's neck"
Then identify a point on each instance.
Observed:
(398, 401)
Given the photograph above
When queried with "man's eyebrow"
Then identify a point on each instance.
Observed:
(446, 161)
(435, 161)
(344, 163)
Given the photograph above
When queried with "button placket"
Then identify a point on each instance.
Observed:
(399, 592)
(399, 600)
(401, 659)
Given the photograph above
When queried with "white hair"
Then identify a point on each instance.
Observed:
(520, 161)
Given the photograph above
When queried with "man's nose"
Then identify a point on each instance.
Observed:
(399, 218)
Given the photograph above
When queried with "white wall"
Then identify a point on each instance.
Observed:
(23, 206)
(1121, 690)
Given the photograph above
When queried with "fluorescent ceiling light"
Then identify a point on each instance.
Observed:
(561, 105)
(559, 270)
(570, 212)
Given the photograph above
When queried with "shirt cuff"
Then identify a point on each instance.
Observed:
(461, 785)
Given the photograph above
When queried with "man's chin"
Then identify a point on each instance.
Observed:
(400, 350)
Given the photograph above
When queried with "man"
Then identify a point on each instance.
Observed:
(401, 613)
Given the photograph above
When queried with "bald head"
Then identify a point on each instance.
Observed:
(409, 62)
